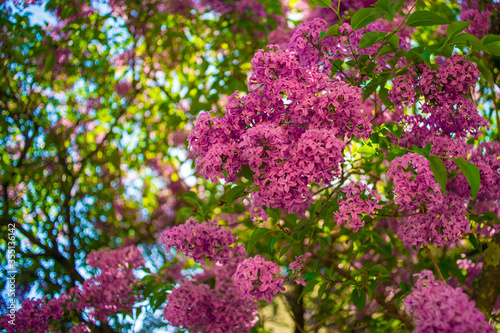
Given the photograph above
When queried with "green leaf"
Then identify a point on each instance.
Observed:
(309, 276)
(366, 150)
(490, 38)
(471, 173)
(358, 298)
(274, 213)
(323, 3)
(283, 250)
(456, 27)
(422, 18)
(426, 151)
(475, 243)
(321, 291)
(396, 130)
(388, 7)
(273, 241)
(256, 235)
(234, 193)
(370, 38)
(191, 198)
(439, 170)
(247, 173)
(394, 41)
(469, 40)
(365, 16)
(309, 287)
(50, 61)
(404, 287)
(489, 216)
(494, 48)
(333, 31)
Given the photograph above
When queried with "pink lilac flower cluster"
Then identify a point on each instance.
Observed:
(297, 266)
(112, 290)
(106, 294)
(36, 316)
(485, 156)
(359, 200)
(289, 129)
(431, 216)
(480, 19)
(211, 303)
(255, 279)
(201, 241)
(436, 307)
(446, 92)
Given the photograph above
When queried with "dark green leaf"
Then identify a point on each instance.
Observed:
(321, 291)
(439, 170)
(234, 193)
(422, 18)
(309, 276)
(490, 217)
(191, 198)
(475, 243)
(273, 241)
(394, 41)
(388, 7)
(371, 38)
(494, 48)
(404, 287)
(469, 40)
(256, 235)
(471, 173)
(274, 213)
(323, 3)
(365, 16)
(456, 27)
(490, 38)
(358, 298)
(309, 287)
(283, 250)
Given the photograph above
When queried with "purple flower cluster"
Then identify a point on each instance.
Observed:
(255, 279)
(414, 183)
(199, 306)
(201, 241)
(106, 294)
(431, 216)
(297, 266)
(480, 19)
(436, 307)
(359, 200)
(289, 129)
(445, 89)
(36, 316)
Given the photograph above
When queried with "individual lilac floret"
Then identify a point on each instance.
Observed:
(359, 199)
(436, 307)
(202, 240)
(255, 279)
(296, 267)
